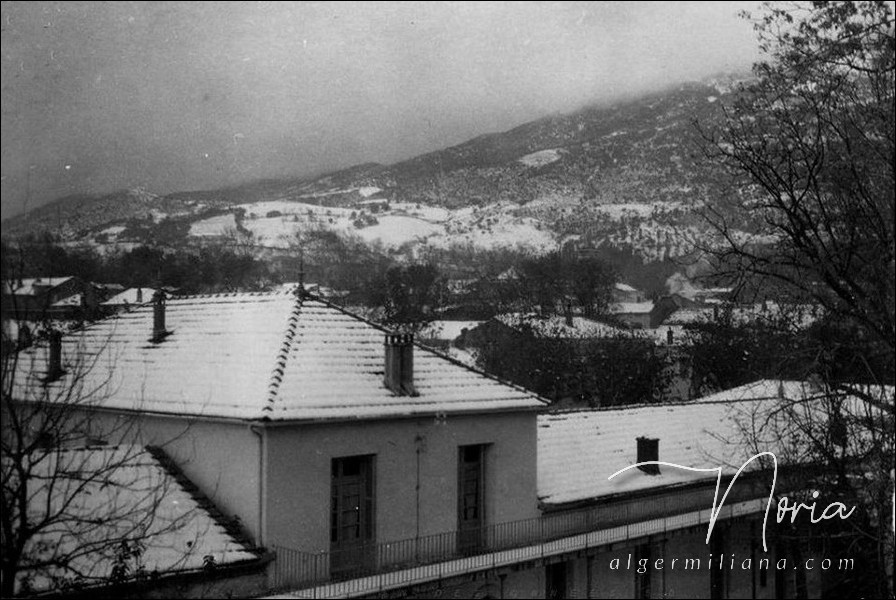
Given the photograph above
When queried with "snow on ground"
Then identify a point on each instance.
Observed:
(435, 214)
(213, 226)
(393, 231)
(494, 226)
(368, 191)
(272, 232)
(634, 209)
(113, 231)
(541, 158)
(521, 233)
(287, 207)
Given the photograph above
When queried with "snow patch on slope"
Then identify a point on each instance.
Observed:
(541, 158)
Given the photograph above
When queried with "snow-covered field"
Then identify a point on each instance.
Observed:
(393, 231)
(213, 226)
(492, 226)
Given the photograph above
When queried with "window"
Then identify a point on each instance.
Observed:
(351, 513)
(470, 497)
(556, 581)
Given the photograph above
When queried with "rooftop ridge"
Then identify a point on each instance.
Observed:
(132, 308)
(705, 400)
(236, 294)
(602, 409)
(283, 355)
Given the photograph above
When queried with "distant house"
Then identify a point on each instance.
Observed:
(622, 292)
(714, 295)
(637, 315)
(128, 298)
(668, 305)
(39, 298)
(107, 290)
(651, 314)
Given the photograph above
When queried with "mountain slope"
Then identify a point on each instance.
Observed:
(629, 176)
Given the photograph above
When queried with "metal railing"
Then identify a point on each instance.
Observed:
(297, 569)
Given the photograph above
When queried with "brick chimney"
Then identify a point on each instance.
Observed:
(399, 376)
(158, 317)
(54, 357)
(568, 315)
(648, 450)
(670, 336)
(139, 295)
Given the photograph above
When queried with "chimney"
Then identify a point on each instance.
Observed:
(139, 295)
(569, 322)
(300, 289)
(158, 317)
(400, 364)
(670, 336)
(649, 450)
(715, 312)
(54, 359)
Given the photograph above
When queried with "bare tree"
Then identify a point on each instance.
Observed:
(81, 502)
(810, 146)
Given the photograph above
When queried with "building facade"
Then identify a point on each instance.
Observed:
(372, 466)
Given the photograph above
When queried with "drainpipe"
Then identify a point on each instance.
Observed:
(420, 445)
(260, 433)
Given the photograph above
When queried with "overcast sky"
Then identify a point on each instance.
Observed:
(98, 96)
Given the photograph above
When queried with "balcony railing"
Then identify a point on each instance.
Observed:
(628, 519)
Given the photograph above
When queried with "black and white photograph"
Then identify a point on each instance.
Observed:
(448, 299)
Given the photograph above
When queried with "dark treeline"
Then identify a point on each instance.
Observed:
(611, 371)
(205, 269)
(728, 352)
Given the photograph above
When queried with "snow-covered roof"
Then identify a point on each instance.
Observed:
(626, 308)
(556, 326)
(579, 450)
(73, 300)
(31, 286)
(715, 290)
(105, 495)
(447, 330)
(624, 287)
(257, 356)
(130, 297)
